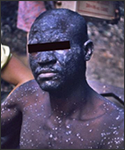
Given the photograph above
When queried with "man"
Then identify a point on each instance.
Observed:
(70, 114)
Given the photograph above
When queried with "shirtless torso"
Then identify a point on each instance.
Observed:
(41, 128)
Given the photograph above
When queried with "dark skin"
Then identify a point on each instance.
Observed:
(69, 114)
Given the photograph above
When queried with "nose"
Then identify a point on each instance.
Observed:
(46, 58)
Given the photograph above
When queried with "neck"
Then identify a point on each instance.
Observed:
(70, 100)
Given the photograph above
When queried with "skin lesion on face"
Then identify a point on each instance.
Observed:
(56, 68)
(59, 51)
(64, 63)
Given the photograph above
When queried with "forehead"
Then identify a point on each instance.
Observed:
(49, 36)
(50, 31)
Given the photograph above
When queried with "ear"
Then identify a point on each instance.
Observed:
(88, 48)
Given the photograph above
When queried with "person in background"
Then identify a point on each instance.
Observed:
(13, 70)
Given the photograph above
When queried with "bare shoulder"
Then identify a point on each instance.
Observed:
(114, 113)
(112, 129)
(21, 94)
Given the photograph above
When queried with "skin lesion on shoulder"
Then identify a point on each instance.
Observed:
(9, 113)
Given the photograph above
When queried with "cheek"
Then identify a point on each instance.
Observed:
(74, 61)
(63, 56)
(33, 63)
(70, 58)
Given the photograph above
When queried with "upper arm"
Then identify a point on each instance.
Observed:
(12, 108)
(10, 117)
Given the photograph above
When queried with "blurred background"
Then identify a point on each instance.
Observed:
(107, 62)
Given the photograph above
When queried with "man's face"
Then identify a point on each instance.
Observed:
(57, 69)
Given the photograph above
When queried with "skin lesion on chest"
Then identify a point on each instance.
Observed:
(54, 132)
(54, 136)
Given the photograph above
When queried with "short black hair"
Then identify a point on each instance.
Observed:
(62, 21)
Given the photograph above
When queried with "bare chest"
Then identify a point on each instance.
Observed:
(41, 132)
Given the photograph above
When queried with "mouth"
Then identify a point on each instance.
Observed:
(45, 73)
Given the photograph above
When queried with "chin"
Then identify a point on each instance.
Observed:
(49, 86)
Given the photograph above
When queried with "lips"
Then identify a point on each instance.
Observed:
(46, 73)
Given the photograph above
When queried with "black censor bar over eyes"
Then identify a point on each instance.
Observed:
(32, 48)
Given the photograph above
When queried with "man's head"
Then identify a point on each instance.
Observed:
(57, 69)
